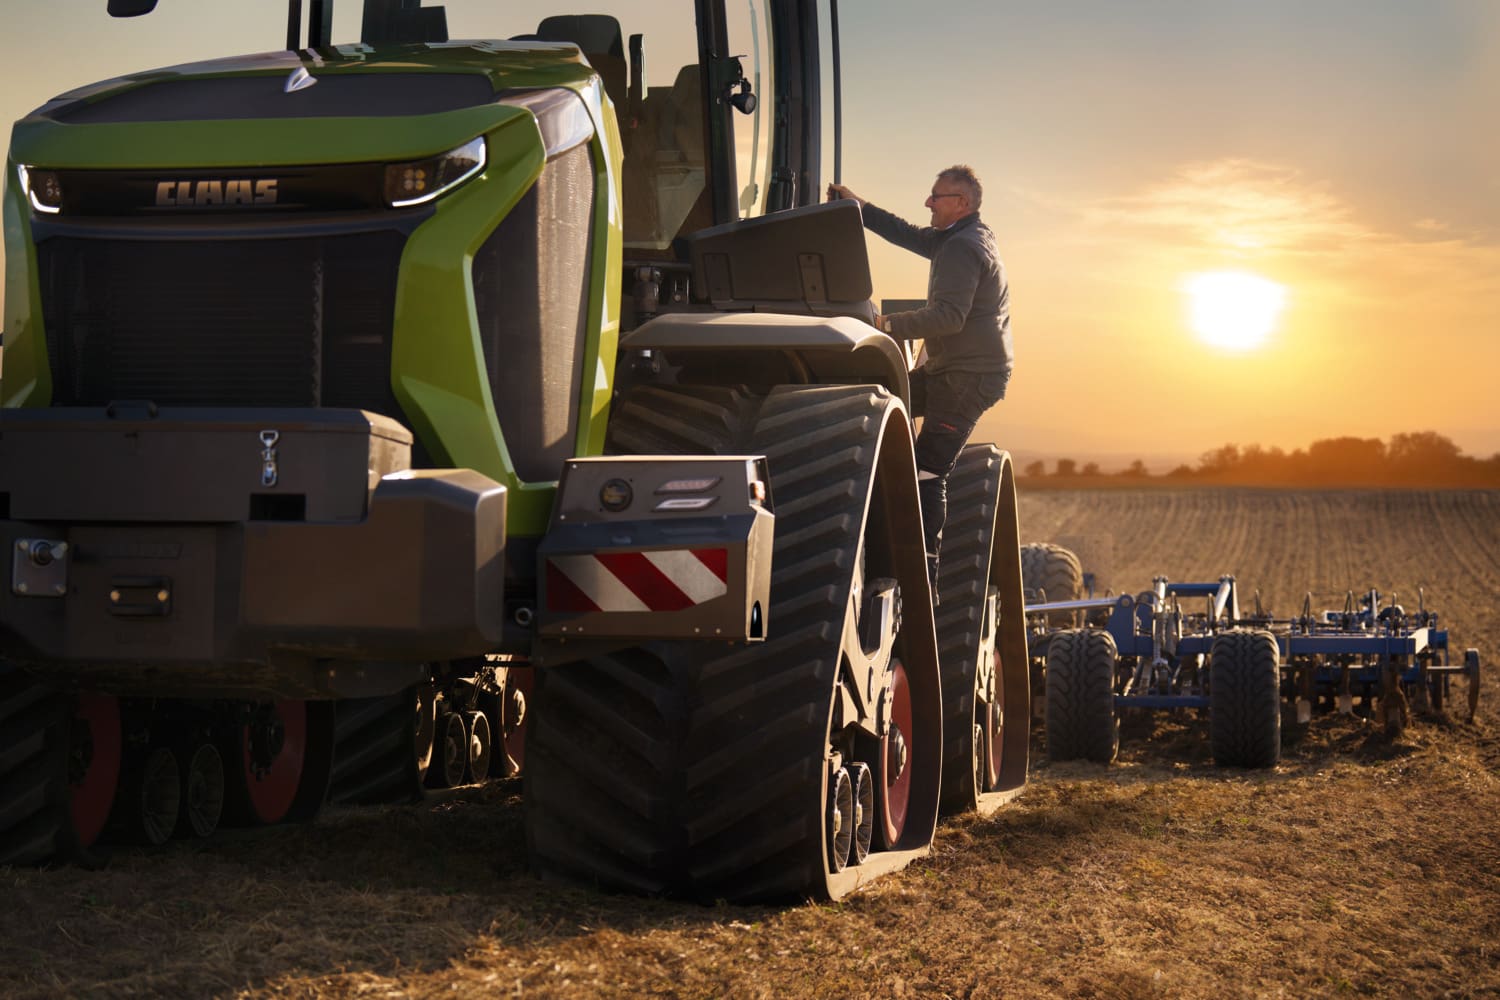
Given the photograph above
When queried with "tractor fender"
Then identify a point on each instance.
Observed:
(814, 349)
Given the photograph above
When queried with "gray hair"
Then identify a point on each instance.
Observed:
(964, 176)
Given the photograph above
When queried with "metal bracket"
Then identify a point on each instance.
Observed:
(268, 472)
(39, 567)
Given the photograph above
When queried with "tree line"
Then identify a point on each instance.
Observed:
(1421, 459)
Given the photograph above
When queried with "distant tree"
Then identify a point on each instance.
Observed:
(1219, 462)
(1091, 468)
(1181, 472)
(1422, 447)
(1347, 461)
(1066, 467)
(1136, 470)
(1035, 469)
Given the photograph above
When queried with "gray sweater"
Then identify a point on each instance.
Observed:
(966, 322)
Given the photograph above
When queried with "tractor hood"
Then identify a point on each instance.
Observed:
(348, 104)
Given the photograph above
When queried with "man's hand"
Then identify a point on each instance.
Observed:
(837, 192)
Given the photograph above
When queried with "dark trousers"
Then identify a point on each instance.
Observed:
(950, 404)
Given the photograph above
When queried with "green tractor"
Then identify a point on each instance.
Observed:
(419, 409)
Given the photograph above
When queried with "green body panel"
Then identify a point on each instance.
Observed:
(437, 364)
(28, 380)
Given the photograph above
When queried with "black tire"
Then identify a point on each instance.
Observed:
(33, 769)
(963, 585)
(677, 768)
(1081, 721)
(1053, 570)
(1245, 699)
(374, 756)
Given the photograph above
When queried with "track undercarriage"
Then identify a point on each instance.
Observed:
(815, 762)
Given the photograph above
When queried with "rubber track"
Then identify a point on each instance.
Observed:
(374, 761)
(673, 768)
(963, 580)
(1081, 721)
(33, 769)
(1245, 699)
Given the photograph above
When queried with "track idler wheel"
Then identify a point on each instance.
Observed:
(480, 744)
(150, 797)
(840, 819)
(864, 810)
(450, 755)
(203, 790)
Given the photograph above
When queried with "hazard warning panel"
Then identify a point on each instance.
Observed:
(663, 580)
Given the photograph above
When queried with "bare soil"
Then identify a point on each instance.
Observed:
(1361, 866)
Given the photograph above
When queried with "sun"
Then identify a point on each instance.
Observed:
(1233, 310)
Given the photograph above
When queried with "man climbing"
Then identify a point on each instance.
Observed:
(965, 324)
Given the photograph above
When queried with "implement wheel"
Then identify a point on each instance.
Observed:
(692, 769)
(1244, 676)
(1081, 720)
(1054, 571)
(1472, 672)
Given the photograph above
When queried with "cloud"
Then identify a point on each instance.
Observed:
(1272, 216)
(1237, 206)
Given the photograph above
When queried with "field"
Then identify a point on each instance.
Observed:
(1362, 866)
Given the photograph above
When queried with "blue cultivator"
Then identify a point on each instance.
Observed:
(1189, 646)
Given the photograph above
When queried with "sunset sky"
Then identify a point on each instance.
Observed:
(1341, 156)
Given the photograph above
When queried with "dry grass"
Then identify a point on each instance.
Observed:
(1361, 866)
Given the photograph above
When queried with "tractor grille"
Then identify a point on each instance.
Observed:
(267, 322)
(531, 294)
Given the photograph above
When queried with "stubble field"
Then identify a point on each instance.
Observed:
(1361, 866)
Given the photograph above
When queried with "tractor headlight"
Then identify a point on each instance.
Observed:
(43, 189)
(423, 180)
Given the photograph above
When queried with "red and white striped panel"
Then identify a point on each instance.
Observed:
(669, 580)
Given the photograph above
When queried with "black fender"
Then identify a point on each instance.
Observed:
(729, 347)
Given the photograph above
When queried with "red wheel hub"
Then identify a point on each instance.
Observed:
(894, 768)
(273, 754)
(994, 720)
(93, 764)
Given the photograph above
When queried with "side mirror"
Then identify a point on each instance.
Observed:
(130, 8)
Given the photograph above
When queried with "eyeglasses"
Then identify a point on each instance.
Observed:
(934, 196)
